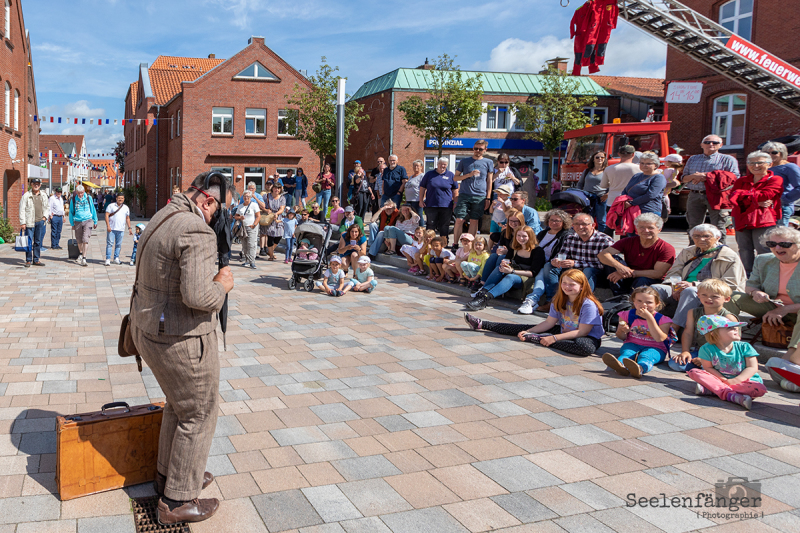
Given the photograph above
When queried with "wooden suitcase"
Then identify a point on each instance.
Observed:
(110, 449)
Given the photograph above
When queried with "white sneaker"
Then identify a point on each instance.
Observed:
(78, 260)
(132, 263)
(83, 261)
(526, 308)
(108, 262)
(116, 261)
(788, 385)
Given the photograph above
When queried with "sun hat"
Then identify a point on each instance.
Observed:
(709, 323)
(364, 259)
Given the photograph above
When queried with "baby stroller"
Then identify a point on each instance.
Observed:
(573, 201)
(318, 235)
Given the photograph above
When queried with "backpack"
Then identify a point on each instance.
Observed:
(671, 336)
(611, 308)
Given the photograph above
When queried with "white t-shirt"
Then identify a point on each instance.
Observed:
(504, 178)
(249, 214)
(616, 178)
(499, 215)
(117, 222)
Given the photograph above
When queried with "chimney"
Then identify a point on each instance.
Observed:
(559, 63)
(256, 40)
(212, 56)
(426, 66)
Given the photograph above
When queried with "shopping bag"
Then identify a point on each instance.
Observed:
(22, 243)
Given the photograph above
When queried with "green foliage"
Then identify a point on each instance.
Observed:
(130, 194)
(542, 204)
(452, 107)
(119, 156)
(140, 193)
(554, 111)
(313, 118)
(6, 230)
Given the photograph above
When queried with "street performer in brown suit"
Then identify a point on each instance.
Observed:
(177, 296)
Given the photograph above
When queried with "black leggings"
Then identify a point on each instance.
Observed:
(583, 346)
(438, 219)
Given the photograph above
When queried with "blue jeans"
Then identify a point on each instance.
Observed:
(788, 212)
(56, 223)
(35, 236)
(553, 274)
(538, 285)
(418, 210)
(677, 367)
(599, 213)
(350, 192)
(391, 232)
(290, 200)
(490, 265)
(647, 357)
(395, 199)
(499, 283)
(136, 245)
(116, 238)
(375, 239)
(323, 198)
(289, 243)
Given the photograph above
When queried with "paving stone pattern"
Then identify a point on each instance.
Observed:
(380, 413)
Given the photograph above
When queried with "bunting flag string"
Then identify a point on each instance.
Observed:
(99, 121)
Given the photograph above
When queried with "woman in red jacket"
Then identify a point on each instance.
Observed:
(756, 200)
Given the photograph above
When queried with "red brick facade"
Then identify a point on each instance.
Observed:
(16, 79)
(774, 22)
(175, 152)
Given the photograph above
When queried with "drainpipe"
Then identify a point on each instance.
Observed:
(158, 116)
(391, 127)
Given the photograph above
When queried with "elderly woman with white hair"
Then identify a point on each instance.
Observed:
(790, 174)
(772, 293)
(756, 200)
(705, 260)
(646, 188)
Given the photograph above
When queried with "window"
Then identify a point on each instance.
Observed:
(16, 109)
(283, 125)
(179, 123)
(737, 16)
(728, 123)
(256, 71)
(7, 120)
(282, 171)
(222, 120)
(496, 117)
(7, 20)
(430, 162)
(171, 128)
(255, 122)
(256, 175)
(225, 171)
(650, 142)
(171, 181)
(579, 150)
(596, 115)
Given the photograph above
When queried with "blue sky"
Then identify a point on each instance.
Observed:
(86, 52)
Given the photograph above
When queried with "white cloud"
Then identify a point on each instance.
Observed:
(516, 55)
(243, 11)
(81, 109)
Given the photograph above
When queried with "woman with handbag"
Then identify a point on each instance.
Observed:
(276, 204)
(247, 217)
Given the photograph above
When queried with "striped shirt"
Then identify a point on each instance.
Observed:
(585, 253)
(709, 163)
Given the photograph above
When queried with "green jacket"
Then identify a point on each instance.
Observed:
(766, 276)
(358, 220)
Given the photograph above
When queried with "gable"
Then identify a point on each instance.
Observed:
(256, 71)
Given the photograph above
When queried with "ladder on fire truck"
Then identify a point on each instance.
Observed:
(704, 40)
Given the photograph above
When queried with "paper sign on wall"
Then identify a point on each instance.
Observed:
(684, 93)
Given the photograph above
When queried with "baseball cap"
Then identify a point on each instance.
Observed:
(364, 259)
(349, 209)
(36, 180)
(672, 158)
(469, 236)
(336, 259)
(505, 189)
(140, 226)
(795, 221)
(626, 149)
(58, 189)
(357, 162)
(709, 323)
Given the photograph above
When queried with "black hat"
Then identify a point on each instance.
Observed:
(58, 189)
(36, 180)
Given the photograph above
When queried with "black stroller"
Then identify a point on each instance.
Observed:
(573, 201)
(319, 236)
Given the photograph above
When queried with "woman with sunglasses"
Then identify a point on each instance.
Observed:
(791, 178)
(756, 200)
(505, 174)
(772, 292)
(590, 184)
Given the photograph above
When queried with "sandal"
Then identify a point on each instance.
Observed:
(463, 282)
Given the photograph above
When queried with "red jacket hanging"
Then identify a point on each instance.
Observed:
(583, 28)
(607, 13)
(620, 219)
(746, 195)
(719, 185)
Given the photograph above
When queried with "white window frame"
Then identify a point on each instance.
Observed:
(729, 114)
(282, 171)
(16, 109)
(7, 19)
(256, 115)
(171, 128)
(225, 171)
(256, 76)
(171, 180)
(179, 123)
(256, 177)
(494, 108)
(222, 114)
(7, 116)
(282, 116)
(737, 17)
(591, 111)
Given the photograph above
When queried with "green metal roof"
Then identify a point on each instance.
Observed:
(411, 79)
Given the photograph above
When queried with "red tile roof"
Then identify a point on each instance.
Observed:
(167, 73)
(644, 87)
(109, 166)
(54, 142)
(134, 95)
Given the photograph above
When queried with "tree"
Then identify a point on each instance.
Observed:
(555, 110)
(452, 107)
(119, 156)
(314, 118)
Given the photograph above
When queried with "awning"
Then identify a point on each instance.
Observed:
(90, 185)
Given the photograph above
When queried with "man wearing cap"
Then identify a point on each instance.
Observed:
(34, 210)
(694, 177)
(616, 177)
(349, 219)
(56, 218)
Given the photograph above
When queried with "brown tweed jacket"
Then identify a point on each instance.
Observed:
(176, 274)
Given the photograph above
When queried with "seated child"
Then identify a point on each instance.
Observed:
(136, 237)
(332, 281)
(575, 323)
(303, 248)
(437, 255)
(729, 365)
(452, 268)
(713, 295)
(422, 258)
(410, 250)
(472, 268)
(647, 334)
(363, 277)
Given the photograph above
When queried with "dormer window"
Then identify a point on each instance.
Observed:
(256, 71)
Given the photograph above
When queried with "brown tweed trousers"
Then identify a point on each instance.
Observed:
(176, 283)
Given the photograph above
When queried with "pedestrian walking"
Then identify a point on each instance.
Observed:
(179, 343)
(56, 218)
(118, 217)
(34, 210)
(83, 219)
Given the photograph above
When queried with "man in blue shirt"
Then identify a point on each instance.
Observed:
(289, 186)
(519, 202)
(394, 181)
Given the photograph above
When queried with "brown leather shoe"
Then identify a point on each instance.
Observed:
(161, 482)
(192, 511)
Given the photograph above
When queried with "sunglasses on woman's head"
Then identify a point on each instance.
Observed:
(784, 245)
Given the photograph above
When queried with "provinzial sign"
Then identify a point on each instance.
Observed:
(764, 59)
(684, 93)
(494, 144)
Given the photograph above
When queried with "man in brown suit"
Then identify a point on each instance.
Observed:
(177, 296)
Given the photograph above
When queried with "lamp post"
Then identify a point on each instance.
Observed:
(340, 141)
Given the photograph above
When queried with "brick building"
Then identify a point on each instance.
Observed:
(19, 134)
(637, 95)
(211, 114)
(102, 173)
(70, 164)
(386, 131)
(743, 119)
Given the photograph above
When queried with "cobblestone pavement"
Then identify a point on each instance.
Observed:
(382, 412)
